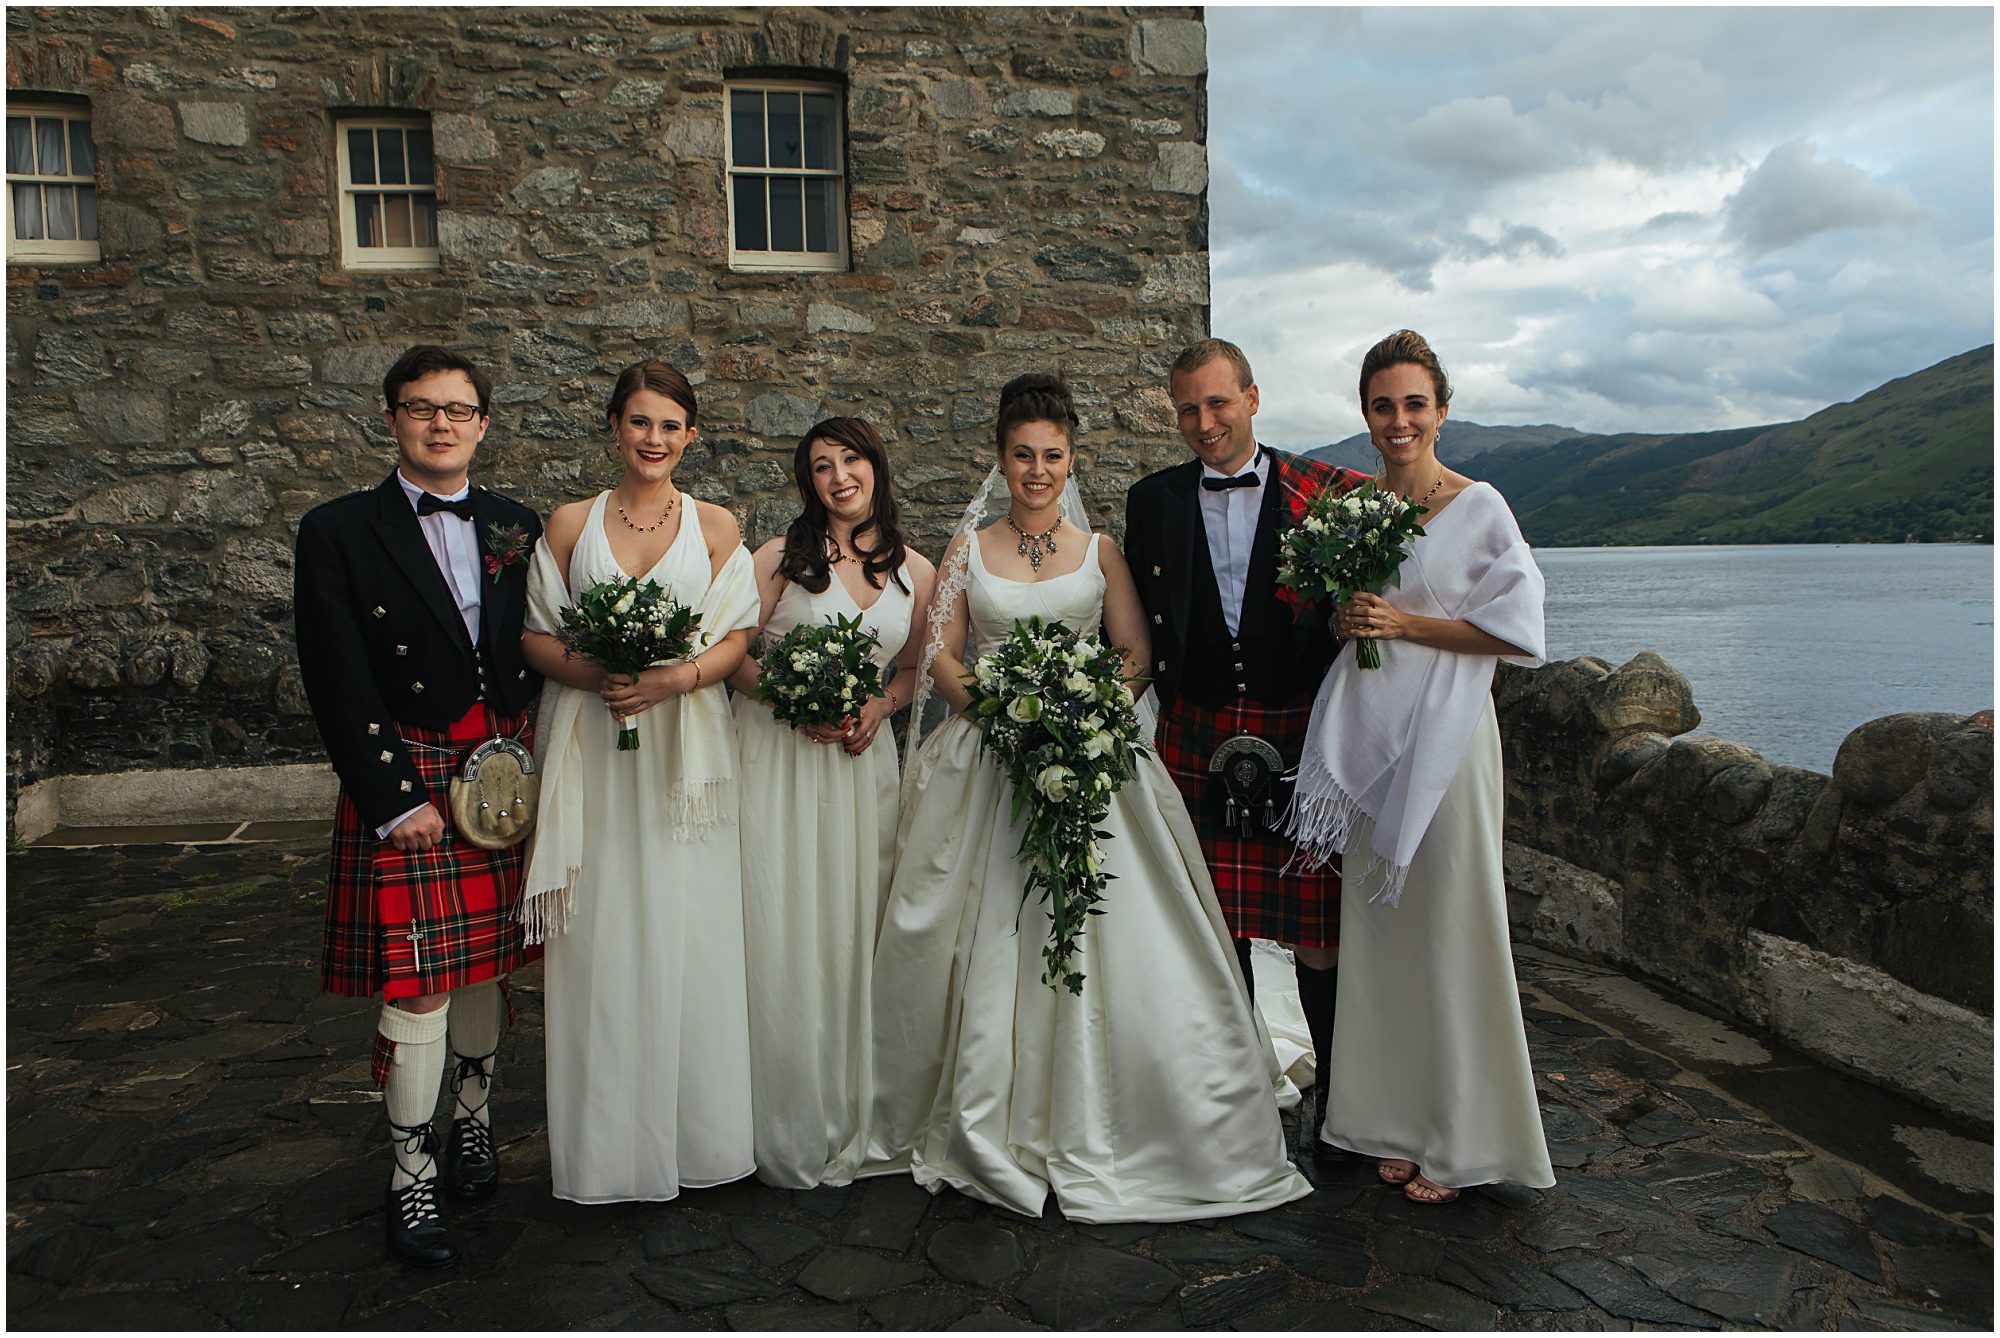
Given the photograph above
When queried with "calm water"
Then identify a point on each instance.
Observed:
(1788, 647)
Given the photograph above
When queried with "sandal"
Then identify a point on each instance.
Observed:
(1395, 1171)
(1420, 1190)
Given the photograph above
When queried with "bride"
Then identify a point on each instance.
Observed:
(1152, 1095)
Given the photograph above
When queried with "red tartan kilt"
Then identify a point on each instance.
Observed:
(427, 921)
(1258, 900)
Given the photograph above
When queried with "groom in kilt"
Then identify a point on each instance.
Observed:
(1237, 663)
(408, 599)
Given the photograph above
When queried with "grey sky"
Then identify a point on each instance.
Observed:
(1613, 219)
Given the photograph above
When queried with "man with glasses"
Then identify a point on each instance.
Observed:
(409, 599)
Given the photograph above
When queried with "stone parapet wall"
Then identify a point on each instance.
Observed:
(1801, 901)
(1027, 191)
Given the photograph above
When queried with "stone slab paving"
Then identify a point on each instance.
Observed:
(192, 1142)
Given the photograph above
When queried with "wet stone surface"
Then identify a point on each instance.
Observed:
(193, 1143)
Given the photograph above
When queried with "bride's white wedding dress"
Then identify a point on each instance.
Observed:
(1152, 1096)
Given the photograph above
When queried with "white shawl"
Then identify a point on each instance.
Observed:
(690, 748)
(1385, 743)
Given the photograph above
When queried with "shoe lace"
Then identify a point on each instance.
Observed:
(475, 1140)
(470, 1066)
(415, 1199)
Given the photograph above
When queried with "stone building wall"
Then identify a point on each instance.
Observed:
(1852, 913)
(1027, 191)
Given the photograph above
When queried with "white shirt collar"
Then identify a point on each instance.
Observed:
(413, 492)
(1259, 463)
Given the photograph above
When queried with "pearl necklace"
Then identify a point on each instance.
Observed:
(1033, 546)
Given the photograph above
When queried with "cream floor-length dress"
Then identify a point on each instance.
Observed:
(1150, 1097)
(819, 837)
(648, 1036)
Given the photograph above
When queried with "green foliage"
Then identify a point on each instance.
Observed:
(821, 675)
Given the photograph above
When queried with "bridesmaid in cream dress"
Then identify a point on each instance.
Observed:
(816, 862)
(633, 878)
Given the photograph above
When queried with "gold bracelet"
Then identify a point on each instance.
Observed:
(697, 673)
(894, 705)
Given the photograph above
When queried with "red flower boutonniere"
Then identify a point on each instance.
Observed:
(506, 546)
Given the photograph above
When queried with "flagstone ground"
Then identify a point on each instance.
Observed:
(192, 1142)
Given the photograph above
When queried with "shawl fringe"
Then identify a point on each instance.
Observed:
(1322, 821)
(696, 808)
(546, 912)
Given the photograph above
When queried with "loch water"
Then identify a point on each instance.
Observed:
(1789, 647)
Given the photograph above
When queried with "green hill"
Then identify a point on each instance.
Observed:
(1463, 442)
(1910, 460)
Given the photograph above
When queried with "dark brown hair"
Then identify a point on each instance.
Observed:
(1204, 351)
(804, 562)
(424, 359)
(656, 376)
(1405, 346)
(1035, 397)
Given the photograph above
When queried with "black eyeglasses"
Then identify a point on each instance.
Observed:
(423, 410)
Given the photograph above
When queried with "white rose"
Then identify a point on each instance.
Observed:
(1094, 746)
(851, 681)
(1024, 710)
(624, 604)
(1078, 684)
(1093, 723)
(1054, 781)
(801, 661)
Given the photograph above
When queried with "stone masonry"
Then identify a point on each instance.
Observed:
(1027, 190)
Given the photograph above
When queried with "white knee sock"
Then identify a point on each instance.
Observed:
(410, 1095)
(475, 1040)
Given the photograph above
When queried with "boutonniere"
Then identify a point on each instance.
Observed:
(506, 546)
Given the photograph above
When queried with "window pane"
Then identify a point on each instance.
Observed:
(746, 129)
(82, 154)
(86, 213)
(787, 215)
(361, 157)
(368, 220)
(820, 229)
(422, 173)
(60, 204)
(424, 219)
(749, 213)
(50, 159)
(389, 147)
(396, 218)
(819, 130)
(20, 145)
(27, 212)
(784, 128)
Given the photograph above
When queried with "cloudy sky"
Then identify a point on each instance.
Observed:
(1611, 219)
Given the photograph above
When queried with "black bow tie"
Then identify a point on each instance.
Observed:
(429, 505)
(1249, 480)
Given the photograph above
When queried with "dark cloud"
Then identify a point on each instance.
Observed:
(1793, 195)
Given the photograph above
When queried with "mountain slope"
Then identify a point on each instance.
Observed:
(1462, 442)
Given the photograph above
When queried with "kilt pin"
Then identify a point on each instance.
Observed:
(1214, 684)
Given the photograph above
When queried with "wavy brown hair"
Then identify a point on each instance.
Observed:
(804, 562)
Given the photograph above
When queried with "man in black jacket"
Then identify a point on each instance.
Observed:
(409, 599)
(1237, 661)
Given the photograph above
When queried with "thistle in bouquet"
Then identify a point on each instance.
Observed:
(821, 675)
(1054, 707)
(1346, 543)
(626, 627)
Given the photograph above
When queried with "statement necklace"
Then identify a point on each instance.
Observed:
(1034, 546)
(672, 502)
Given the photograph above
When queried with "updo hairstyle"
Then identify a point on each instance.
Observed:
(656, 376)
(1035, 397)
(1401, 347)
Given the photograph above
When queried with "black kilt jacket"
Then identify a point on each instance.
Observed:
(381, 641)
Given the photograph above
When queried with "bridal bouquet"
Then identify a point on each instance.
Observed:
(627, 627)
(821, 675)
(1348, 542)
(1054, 707)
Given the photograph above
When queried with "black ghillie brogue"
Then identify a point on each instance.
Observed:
(472, 1170)
(417, 1233)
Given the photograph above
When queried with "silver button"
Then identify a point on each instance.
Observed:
(416, 687)
(1156, 569)
(1157, 620)
(1242, 687)
(1236, 645)
(523, 675)
(380, 612)
(1239, 666)
(402, 650)
(388, 756)
(374, 728)
(404, 787)
(1163, 666)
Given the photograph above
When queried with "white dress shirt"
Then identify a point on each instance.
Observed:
(456, 550)
(1230, 517)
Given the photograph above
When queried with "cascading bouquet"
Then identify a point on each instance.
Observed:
(1054, 707)
(1348, 542)
(627, 627)
(821, 675)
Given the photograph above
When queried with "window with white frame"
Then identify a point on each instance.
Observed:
(51, 184)
(787, 175)
(388, 193)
